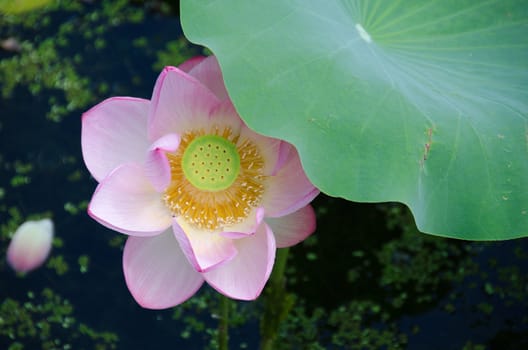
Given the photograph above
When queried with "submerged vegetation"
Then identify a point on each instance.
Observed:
(367, 279)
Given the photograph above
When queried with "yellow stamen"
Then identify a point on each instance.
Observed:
(210, 192)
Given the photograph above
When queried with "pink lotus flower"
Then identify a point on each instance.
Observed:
(30, 245)
(202, 197)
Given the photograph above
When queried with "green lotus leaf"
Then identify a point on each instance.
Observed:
(423, 102)
(21, 6)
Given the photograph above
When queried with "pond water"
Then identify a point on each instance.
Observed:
(367, 279)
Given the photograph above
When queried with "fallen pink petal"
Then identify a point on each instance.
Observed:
(202, 196)
(30, 245)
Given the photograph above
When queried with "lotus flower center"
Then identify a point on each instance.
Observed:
(217, 178)
(211, 163)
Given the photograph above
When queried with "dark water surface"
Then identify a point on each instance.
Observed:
(366, 280)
